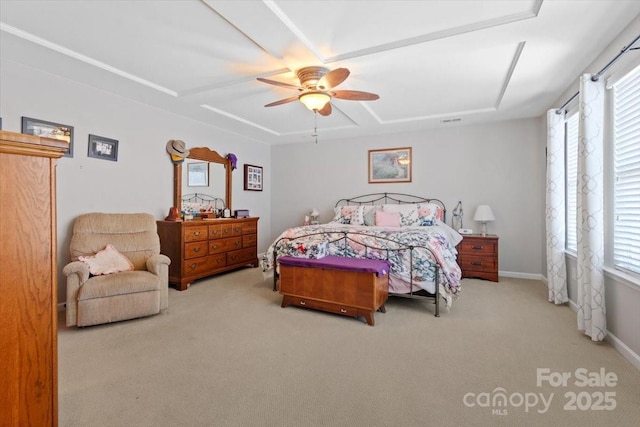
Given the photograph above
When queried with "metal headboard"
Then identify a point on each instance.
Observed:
(391, 198)
(215, 202)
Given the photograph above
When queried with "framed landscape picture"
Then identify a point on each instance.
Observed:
(103, 148)
(198, 174)
(390, 165)
(49, 130)
(252, 178)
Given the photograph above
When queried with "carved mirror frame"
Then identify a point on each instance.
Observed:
(207, 155)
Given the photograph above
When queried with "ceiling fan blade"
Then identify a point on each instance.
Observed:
(333, 78)
(326, 110)
(282, 101)
(355, 95)
(277, 83)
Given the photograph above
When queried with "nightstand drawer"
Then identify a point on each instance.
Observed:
(471, 263)
(477, 247)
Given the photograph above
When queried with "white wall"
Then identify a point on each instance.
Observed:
(499, 164)
(142, 178)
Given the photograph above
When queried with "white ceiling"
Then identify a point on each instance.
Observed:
(433, 63)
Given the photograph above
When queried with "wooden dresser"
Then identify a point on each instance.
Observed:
(201, 248)
(28, 280)
(478, 256)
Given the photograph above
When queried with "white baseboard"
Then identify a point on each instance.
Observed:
(625, 351)
(616, 343)
(517, 275)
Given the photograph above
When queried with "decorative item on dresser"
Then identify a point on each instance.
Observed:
(28, 279)
(204, 247)
(478, 256)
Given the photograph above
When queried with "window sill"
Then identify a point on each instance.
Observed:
(620, 276)
(613, 273)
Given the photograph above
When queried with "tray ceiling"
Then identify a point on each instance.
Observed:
(433, 63)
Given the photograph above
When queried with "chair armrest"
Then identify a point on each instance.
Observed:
(159, 265)
(155, 263)
(79, 268)
(77, 274)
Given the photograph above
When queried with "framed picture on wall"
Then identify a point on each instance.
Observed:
(198, 174)
(390, 165)
(49, 130)
(103, 148)
(253, 178)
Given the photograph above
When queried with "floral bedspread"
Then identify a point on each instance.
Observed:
(429, 242)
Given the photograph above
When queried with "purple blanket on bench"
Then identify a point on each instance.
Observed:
(380, 267)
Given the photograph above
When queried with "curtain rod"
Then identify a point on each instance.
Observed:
(596, 76)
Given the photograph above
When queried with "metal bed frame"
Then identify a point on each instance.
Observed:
(344, 236)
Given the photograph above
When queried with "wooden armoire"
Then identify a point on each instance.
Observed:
(28, 280)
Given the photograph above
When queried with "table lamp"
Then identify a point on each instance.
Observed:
(484, 214)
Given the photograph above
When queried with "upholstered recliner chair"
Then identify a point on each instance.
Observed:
(123, 295)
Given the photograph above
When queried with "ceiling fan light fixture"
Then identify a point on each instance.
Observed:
(315, 101)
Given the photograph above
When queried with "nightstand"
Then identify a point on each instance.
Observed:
(478, 256)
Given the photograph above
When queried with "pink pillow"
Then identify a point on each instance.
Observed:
(387, 219)
(107, 261)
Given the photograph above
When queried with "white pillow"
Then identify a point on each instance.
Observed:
(107, 261)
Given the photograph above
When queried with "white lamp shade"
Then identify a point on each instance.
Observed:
(484, 214)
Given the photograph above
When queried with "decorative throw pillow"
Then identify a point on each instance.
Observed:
(408, 213)
(107, 261)
(428, 213)
(370, 214)
(349, 215)
(387, 219)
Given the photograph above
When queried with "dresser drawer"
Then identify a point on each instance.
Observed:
(196, 249)
(224, 245)
(202, 265)
(249, 227)
(192, 234)
(215, 231)
(242, 255)
(249, 240)
(477, 247)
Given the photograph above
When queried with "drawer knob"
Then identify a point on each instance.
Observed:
(193, 266)
(303, 303)
(477, 248)
(196, 250)
(196, 233)
(215, 246)
(342, 310)
(476, 263)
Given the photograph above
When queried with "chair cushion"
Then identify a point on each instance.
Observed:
(125, 282)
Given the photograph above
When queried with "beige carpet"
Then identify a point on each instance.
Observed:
(226, 354)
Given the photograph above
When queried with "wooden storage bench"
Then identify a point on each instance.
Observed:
(347, 286)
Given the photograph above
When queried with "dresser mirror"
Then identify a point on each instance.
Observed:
(213, 180)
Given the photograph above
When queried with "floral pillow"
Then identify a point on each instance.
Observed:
(428, 213)
(349, 215)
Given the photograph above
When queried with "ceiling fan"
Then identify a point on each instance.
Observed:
(317, 88)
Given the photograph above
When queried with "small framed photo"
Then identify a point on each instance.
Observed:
(103, 148)
(253, 178)
(390, 165)
(198, 174)
(49, 130)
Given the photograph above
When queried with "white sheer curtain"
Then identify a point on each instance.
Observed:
(590, 207)
(555, 209)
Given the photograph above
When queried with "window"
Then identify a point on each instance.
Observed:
(571, 197)
(626, 157)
